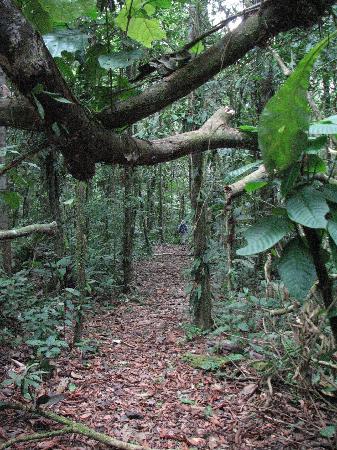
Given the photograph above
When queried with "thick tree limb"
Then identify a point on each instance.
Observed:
(82, 139)
(255, 30)
(70, 427)
(47, 228)
(18, 113)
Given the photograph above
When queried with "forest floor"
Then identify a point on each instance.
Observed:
(137, 386)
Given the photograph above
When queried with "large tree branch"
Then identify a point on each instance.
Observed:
(83, 139)
(256, 29)
(18, 113)
(46, 228)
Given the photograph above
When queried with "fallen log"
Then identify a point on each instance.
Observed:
(70, 427)
(47, 228)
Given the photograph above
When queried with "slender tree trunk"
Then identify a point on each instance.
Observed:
(201, 299)
(53, 187)
(6, 248)
(160, 206)
(325, 284)
(81, 253)
(128, 228)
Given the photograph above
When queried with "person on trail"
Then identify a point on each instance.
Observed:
(182, 230)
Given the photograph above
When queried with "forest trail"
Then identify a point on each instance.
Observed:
(138, 388)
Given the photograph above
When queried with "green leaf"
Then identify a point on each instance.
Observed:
(65, 41)
(332, 229)
(308, 207)
(231, 176)
(264, 234)
(285, 119)
(143, 30)
(316, 144)
(74, 292)
(325, 126)
(315, 164)
(248, 128)
(255, 185)
(329, 192)
(197, 48)
(72, 387)
(12, 199)
(120, 59)
(297, 269)
(37, 16)
(40, 108)
(290, 178)
(328, 432)
(65, 11)
(165, 4)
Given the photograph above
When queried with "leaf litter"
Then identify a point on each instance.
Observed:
(139, 388)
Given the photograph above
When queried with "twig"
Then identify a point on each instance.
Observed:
(19, 160)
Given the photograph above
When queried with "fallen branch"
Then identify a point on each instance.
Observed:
(47, 228)
(70, 427)
(286, 310)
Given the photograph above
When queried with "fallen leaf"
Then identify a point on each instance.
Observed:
(249, 389)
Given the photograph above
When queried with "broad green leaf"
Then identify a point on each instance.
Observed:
(12, 199)
(37, 16)
(197, 48)
(165, 4)
(325, 126)
(65, 11)
(321, 128)
(129, 10)
(145, 31)
(316, 144)
(255, 185)
(264, 234)
(315, 164)
(332, 229)
(308, 207)
(297, 269)
(65, 41)
(328, 432)
(120, 59)
(290, 178)
(284, 121)
(329, 192)
(150, 9)
(231, 176)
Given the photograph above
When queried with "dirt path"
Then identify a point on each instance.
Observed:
(138, 388)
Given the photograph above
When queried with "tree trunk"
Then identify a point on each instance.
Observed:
(6, 248)
(201, 299)
(53, 188)
(160, 206)
(128, 228)
(81, 253)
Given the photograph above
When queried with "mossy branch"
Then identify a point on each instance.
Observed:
(70, 427)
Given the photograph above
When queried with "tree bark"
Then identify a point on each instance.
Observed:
(6, 247)
(53, 188)
(48, 228)
(81, 254)
(200, 299)
(84, 138)
(128, 228)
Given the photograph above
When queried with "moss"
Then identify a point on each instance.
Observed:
(210, 362)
